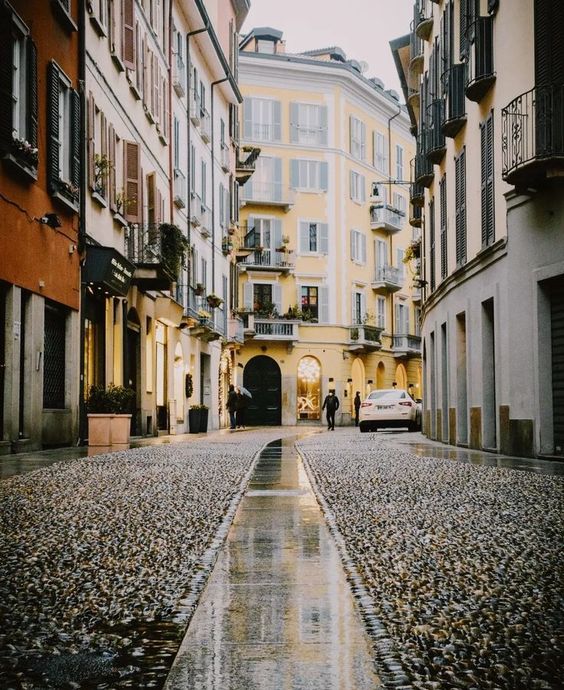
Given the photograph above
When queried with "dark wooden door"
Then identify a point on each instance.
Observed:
(557, 338)
(263, 380)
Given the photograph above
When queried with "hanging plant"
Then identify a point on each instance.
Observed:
(174, 247)
(189, 385)
(214, 301)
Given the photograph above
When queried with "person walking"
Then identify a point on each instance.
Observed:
(241, 408)
(232, 405)
(331, 402)
(356, 407)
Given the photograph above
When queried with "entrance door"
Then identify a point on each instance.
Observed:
(263, 380)
(132, 365)
(557, 338)
(3, 292)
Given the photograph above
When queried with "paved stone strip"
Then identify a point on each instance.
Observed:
(462, 564)
(96, 555)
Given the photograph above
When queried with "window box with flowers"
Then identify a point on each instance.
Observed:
(24, 156)
(214, 301)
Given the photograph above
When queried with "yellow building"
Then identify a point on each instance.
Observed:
(326, 298)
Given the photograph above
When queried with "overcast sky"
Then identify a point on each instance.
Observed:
(362, 28)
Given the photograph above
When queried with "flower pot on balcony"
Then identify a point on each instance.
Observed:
(199, 289)
(214, 301)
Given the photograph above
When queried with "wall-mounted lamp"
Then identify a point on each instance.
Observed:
(349, 380)
(370, 381)
(331, 379)
(50, 219)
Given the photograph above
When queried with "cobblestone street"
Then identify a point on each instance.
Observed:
(455, 563)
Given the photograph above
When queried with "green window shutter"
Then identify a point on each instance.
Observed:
(323, 238)
(53, 86)
(31, 93)
(323, 293)
(294, 123)
(75, 138)
(323, 176)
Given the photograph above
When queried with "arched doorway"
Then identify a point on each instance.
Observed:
(132, 366)
(401, 376)
(358, 377)
(263, 379)
(380, 375)
(309, 388)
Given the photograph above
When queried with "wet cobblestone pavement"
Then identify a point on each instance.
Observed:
(463, 564)
(277, 612)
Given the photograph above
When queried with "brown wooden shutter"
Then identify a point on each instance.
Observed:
(166, 127)
(91, 134)
(131, 176)
(112, 25)
(151, 194)
(75, 112)
(104, 151)
(113, 160)
(128, 33)
(31, 79)
(155, 85)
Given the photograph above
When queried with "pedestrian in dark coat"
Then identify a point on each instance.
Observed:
(331, 402)
(241, 407)
(232, 405)
(356, 407)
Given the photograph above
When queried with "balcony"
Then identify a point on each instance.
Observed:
(387, 218)
(236, 330)
(179, 188)
(454, 115)
(480, 75)
(225, 158)
(435, 139)
(195, 108)
(423, 19)
(406, 345)
(416, 295)
(388, 279)
(143, 247)
(205, 221)
(424, 172)
(272, 329)
(195, 209)
(266, 260)
(415, 216)
(414, 98)
(205, 323)
(268, 194)
(364, 338)
(179, 76)
(244, 168)
(205, 126)
(416, 191)
(532, 141)
(416, 58)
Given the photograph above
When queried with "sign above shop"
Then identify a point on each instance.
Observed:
(107, 269)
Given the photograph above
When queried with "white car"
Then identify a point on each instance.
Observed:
(389, 407)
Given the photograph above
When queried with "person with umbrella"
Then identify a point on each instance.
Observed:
(241, 406)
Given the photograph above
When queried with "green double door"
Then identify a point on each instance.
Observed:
(262, 378)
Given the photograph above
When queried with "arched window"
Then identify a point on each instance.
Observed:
(309, 388)
(380, 375)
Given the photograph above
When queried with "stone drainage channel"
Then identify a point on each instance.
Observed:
(277, 611)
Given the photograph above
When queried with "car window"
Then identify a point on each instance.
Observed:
(387, 395)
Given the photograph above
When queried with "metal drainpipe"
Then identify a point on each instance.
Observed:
(188, 144)
(170, 116)
(392, 320)
(82, 419)
(213, 85)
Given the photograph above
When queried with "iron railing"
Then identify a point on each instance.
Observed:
(415, 49)
(388, 274)
(454, 83)
(143, 244)
(480, 74)
(436, 145)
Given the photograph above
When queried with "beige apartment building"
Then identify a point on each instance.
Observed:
(160, 88)
(484, 82)
(326, 297)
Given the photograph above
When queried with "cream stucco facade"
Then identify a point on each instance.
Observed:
(327, 300)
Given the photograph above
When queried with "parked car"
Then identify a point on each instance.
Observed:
(390, 407)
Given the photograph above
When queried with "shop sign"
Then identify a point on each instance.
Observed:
(107, 269)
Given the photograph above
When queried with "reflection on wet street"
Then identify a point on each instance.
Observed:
(277, 612)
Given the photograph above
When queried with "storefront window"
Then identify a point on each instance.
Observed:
(309, 389)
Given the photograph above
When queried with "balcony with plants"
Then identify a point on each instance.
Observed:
(255, 256)
(480, 74)
(246, 162)
(387, 279)
(532, 141)
(364, 337)
(203, 313)
(159, 252)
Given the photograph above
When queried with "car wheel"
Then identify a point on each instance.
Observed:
(412, 426)
(363, 428)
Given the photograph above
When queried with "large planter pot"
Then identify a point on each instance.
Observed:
(108, 429)
(194, 420)
(204, 420)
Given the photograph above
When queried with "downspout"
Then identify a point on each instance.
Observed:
(82, 419)
(188, 145)
(213, 85)
(392, 320)
(170, 116)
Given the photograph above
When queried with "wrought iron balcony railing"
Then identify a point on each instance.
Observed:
(533, 135)
(454, 115)
(436, 145)
(267, 193)
(480, 75)
(424, 172)
(415, 51)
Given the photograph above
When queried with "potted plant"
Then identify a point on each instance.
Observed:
(174, 247)
(102, 167)
(109, 414)
(214, 301)
(198, 418)
(199, 289)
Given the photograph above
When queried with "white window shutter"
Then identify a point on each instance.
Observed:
(323, 238)
(353, 246)
(362, 140)
(363, 248)
(323, 138)
(304, 237)
(323, 292)
(276, 121)
(248, 296)
(248, 119)
(277, 297)
(324, 176)
(294, 173)
(276, 240)
(362, 182)
(351, 184)
(294, 122)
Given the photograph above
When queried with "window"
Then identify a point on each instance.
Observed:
(358, 247)
(487, 182)
(358, 187)
(308, 175)
(265, 46)
(357, 138)
(358, 307)
(400, 253)
(380, 160)
(443, 226)
(308, 124)
(313, 238)
(204, 273)
(402, 318)
(266, 183)
(132, 180)
(381, 312)
(381, 250)
(432, 250)
(263, 299)
(309, 301)
(460, 207)
(192, 169)
(128, 43)
(203, 181)
(417, 321)
(54, 358)
(262, 119)
(63, 165)
(18, 92)
(99, 16)
(399, 204)
(399, 162)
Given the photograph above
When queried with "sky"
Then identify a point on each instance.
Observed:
(362, 28)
